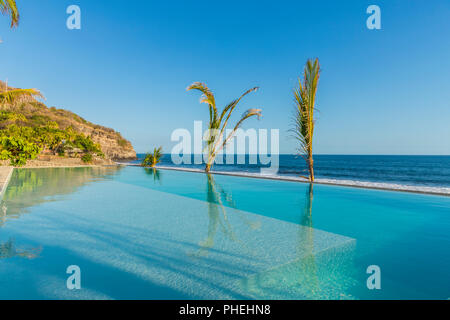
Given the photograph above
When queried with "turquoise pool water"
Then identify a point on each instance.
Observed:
(138, 233)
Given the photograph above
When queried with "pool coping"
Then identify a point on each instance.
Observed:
(4, 182)
(291, 179)
(250, 175)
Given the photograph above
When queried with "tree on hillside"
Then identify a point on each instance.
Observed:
(11, 96)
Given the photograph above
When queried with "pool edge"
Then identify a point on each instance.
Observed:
(293, 179)
(4, 182)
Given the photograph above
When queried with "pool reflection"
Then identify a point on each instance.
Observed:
(9, 249)
(155, 173)
(194, 245)
(300, 263)
(31, 187)
(315, 273)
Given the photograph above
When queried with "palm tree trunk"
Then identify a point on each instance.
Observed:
(210, 161)
(311, 168)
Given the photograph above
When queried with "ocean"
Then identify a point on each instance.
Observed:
(419, 173)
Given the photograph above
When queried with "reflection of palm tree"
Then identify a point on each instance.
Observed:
(306, 219)
(155, 173)
(218, 199)
(9, 250)
(298, 278)
(314, 273)
(306, 245)
(217, 215)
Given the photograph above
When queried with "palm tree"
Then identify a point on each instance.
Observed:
(14, 95)
(10, 7)
(218, 123)
(151, 159)
(305, 98)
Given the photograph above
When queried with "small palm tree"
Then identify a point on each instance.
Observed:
(151, 159)
(218, 123)
(10, 7)
(305, 98)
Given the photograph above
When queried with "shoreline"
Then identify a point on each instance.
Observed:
(341, 183)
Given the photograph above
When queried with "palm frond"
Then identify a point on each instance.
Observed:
(218, 124)
(230, 107)
(207, 97)
(14, 95)
(152, 159)
(9, 7)
(247, 114)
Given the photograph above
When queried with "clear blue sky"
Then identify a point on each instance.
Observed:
(381, 91)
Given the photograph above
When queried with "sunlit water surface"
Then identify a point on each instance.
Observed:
(140, 233)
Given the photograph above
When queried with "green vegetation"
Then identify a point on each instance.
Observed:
(217, 124)
(28, 128)
(25, 142)
(9, 7)
(17, 149)
(9, 97)
(151, 159)
(87, 158)
(305, 98)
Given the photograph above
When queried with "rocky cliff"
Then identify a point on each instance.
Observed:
(31, 112)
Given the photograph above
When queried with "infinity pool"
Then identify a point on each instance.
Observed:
(139, 233)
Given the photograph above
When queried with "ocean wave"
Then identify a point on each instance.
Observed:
(387, 186)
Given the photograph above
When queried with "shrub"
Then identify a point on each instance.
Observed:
(151, 159)
(86, 144)
(122, 142)
(18, 150)
(20, 143)
(86, 158)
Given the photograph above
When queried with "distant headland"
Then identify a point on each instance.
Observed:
(32, 134)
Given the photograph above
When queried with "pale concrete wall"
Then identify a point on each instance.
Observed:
(5, 175)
